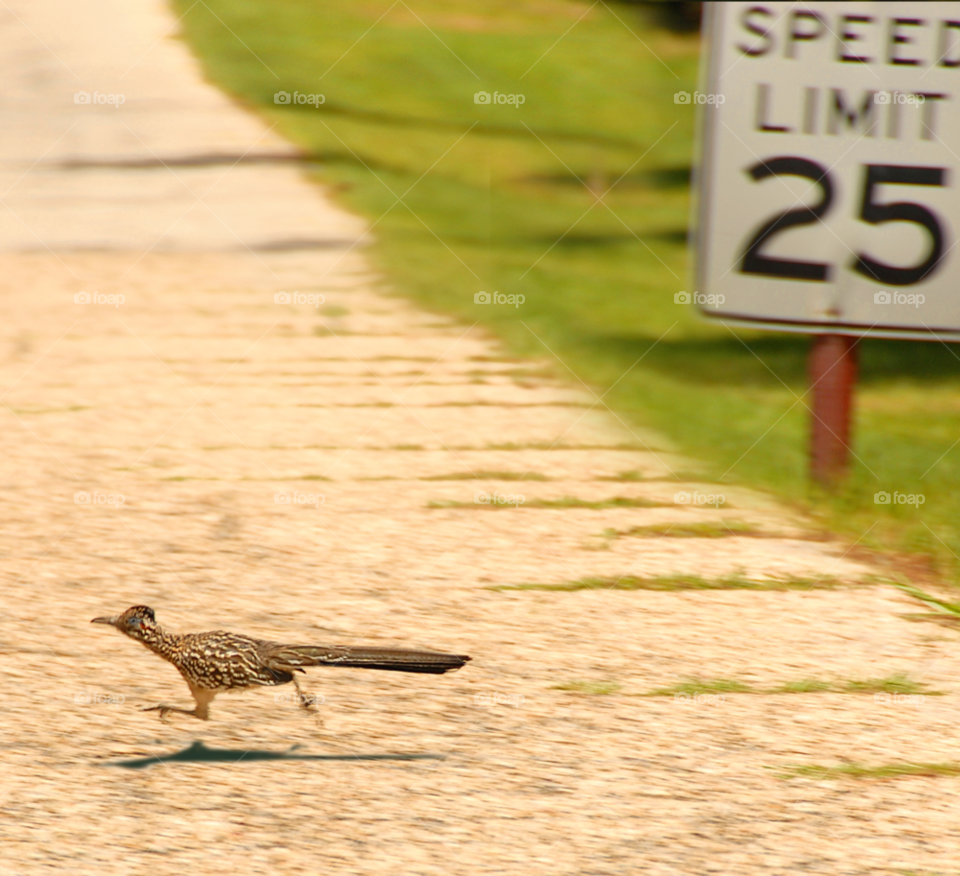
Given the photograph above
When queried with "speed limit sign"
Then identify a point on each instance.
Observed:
(830, 149)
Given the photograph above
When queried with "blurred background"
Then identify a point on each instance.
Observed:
(578, 199)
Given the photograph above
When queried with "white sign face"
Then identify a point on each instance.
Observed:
(828, 195)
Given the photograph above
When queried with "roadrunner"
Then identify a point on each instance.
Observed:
(218, 661)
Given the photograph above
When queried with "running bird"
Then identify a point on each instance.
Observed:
(218, 661)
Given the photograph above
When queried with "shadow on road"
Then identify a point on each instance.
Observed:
(199, 753)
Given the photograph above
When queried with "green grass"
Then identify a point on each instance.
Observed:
(624, 477)
(594, 688)
(806, 685)
(465, 198)
(858, 771)
(698, 686)
(891, 684)
(943, 608)
(704, 529)
(679, 582)
(488, 476)
(927, 873)
(550, 445)
(565, 502)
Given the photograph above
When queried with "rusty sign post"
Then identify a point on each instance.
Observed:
(832, 370)
(826, 184)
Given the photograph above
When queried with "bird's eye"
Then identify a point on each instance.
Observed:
(133, 622)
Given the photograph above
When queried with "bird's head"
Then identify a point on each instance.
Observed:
(137, 622)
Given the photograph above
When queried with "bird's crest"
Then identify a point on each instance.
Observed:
(144, 612)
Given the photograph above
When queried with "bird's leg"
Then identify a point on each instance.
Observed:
(306, 700)
(203, 698)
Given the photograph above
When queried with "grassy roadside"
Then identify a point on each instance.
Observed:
(465, 197)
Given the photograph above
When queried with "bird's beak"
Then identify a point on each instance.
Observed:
(105, 620)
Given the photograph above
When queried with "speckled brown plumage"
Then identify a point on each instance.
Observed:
(219, 661)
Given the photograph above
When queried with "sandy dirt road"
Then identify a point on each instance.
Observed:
(323, 472)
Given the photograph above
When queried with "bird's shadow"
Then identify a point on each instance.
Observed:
(200, 753)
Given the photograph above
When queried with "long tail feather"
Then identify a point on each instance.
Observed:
(394, 659)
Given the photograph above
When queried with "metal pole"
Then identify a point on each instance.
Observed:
(832, 368)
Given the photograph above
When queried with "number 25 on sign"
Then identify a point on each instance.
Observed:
(827, 175)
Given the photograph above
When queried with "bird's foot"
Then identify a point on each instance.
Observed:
(166, 710)
(307, 701)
